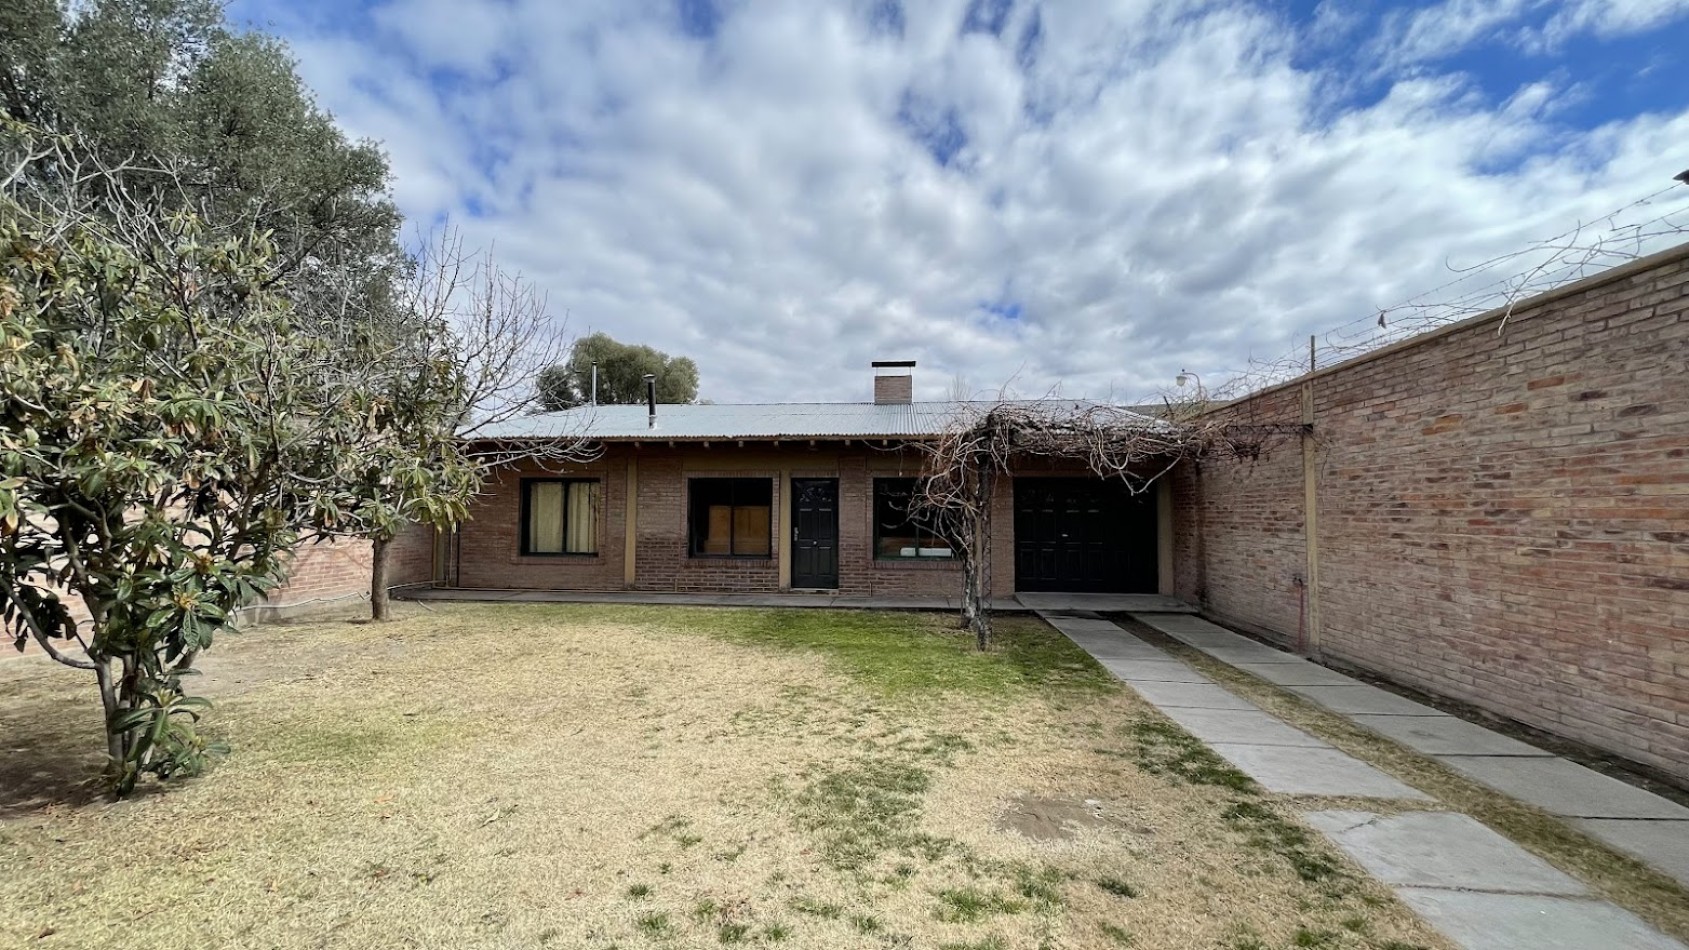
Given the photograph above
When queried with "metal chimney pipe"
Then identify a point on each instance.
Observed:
(651, 400)
(595, 382)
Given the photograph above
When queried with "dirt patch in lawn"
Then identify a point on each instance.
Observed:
(1051, 819)
(539, 776)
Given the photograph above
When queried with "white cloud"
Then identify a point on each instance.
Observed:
(1608, 18)
(1155, 186)
(1443, 29)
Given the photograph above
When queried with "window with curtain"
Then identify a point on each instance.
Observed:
(731, 517)
(560, 516)
(897, 532)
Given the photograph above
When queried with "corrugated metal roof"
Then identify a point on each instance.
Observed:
(815, 420)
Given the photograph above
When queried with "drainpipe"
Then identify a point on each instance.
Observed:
(651, 400)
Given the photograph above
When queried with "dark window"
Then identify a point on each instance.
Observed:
(731, 517)
(560, 516)
(897, 532)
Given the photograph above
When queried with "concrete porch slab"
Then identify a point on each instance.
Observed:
(1241, 727)
(1361, 699)
(1476, 920)
(1662, 845)
(1190, 696)
(1104, 603)
(1564, 788)
(1446, 735)
(814, 599)
(1134, 672)
(1292, 770)
(1440, 849)
(1288, 673)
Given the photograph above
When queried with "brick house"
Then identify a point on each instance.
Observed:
(1496, 512)
(789, 496)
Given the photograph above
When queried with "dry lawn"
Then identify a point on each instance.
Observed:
(571, 776)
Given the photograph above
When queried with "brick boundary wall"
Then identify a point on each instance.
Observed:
(333, 575)
(1502, 511)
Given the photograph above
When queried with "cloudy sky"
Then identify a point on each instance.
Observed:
(1074, 193)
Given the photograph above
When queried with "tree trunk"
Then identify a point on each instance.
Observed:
(110, 703)
(378, 605)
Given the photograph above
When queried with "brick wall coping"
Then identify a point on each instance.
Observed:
(1516, 311)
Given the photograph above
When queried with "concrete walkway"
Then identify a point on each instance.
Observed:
(1478, 888)
(1280, 757)
(1653, 829)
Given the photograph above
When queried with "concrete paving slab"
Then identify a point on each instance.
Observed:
(1564, 788)
(1446, 735)
(1255, 653)
(1194, 631)
(1440, 849)
(1117, 646)
(1476, 920)
(1190, 695)
(1292, 770)
(1152, 671)
(1295, 673)
(1360, 699)
(1078, 622)
(1206, 640)
(1081, 625)
(1241, 727)
(1663, 845)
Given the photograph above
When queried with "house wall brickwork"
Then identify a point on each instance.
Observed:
(485, 554)
(1503, 514)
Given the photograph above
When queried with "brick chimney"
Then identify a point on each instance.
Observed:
(894, 382)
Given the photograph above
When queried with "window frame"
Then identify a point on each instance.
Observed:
(525, 526)
(929, 533)
(694, 541)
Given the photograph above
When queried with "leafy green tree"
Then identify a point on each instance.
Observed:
(167, 434)
(168, 82)
(622, 368)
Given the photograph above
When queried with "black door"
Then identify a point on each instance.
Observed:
(1084, 535)
(815, 533)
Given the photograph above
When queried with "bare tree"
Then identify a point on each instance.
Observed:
(466, 344)
(984, 444)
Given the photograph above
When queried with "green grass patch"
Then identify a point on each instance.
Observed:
(654, 924)
(895, 652)
(866, 923)
(639, 891)
(966, 905)
(1161, 748)
(733, 933)
(1120, 935)
(1267, 830)
(1117, 887)
(1041, 887)
(817, 908)
(867, 809)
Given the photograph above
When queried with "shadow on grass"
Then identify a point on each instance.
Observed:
(43, 769)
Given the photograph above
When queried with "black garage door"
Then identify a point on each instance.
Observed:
(1084, 535)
